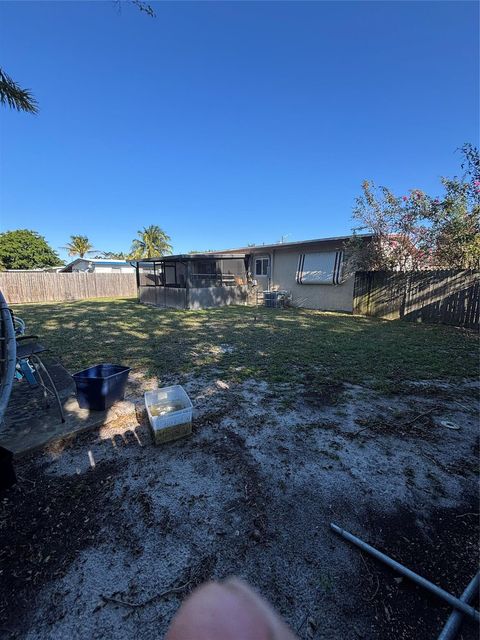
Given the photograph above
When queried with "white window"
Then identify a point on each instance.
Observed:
(261, 266)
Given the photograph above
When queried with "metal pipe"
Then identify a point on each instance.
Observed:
(438, 591)
(452, 626)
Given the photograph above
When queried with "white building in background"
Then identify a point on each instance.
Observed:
(98, 265)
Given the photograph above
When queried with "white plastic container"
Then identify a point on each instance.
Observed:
(169, 412)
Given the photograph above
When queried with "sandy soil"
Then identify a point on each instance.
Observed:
(98, 532)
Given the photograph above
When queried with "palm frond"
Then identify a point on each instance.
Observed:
(14, 96)
(145, 7)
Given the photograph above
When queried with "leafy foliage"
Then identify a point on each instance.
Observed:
(14, 96)
(79, 246)
(25, 249)
(417, 231)
(398, 235)
(455, 218)
(152, 242)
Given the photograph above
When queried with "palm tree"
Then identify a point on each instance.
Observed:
(14, 96)
(152, 242)
(79, 246)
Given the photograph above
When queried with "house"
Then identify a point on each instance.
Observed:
(313, 272)
(193, 281)
(99, 265)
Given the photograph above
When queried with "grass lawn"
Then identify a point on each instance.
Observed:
(241, 342)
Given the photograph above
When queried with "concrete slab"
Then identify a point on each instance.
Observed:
(29, 425)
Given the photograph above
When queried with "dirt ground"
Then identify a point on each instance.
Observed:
(104, 537)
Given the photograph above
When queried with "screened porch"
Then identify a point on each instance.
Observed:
(193, 281)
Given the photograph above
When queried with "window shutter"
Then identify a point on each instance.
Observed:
(322, 267)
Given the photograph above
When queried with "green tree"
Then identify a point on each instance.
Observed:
(79, 246)
(152, 242)
(398, 232)
(25, 249)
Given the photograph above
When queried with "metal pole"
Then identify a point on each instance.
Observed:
(438, 591)
(8, 355)
(454, 622)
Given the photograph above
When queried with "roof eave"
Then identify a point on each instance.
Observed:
(281, 245)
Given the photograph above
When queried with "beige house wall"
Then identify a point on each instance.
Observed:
(283, 269)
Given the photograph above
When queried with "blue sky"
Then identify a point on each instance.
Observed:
(229, 123)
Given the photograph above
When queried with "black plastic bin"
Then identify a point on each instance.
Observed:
(7, 472)
(101, 386)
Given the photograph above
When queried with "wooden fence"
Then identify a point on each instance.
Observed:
(57, 287)
(448, 297)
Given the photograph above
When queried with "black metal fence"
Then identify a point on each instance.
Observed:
(447, 297)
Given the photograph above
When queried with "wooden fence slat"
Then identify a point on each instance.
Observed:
(445, 296)
(21, 287)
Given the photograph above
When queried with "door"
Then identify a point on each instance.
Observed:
(261, 271)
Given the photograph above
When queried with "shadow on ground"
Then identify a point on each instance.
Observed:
(242, 342)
